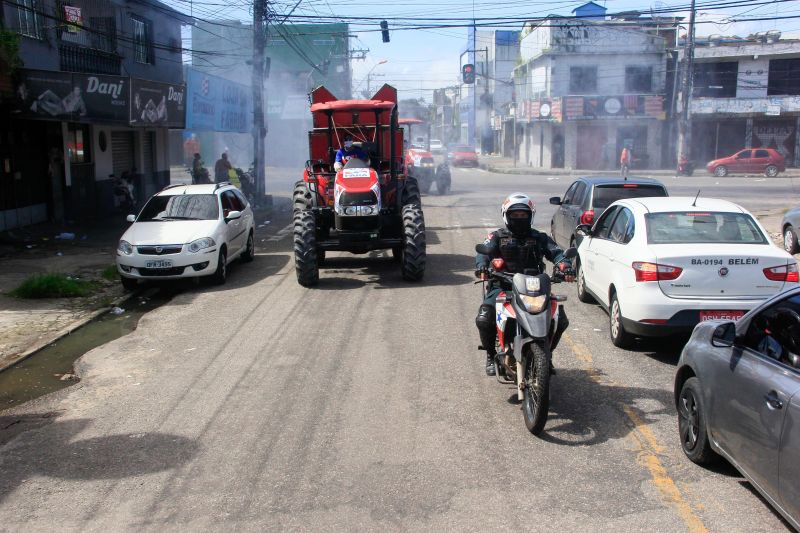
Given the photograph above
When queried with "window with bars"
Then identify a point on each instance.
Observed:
(142, 40)
(29, 19)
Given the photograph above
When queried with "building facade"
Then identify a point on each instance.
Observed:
(588, 86)
(99, 86)
(746, 95)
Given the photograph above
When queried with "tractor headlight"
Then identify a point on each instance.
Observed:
(533, 304)
(350, 211)
(200, 244)
(124, 248)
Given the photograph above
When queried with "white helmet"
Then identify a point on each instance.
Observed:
(518, 202)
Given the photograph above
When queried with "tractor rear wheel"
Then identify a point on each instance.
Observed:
(412, 264)
(410, 194)
(301, 197)
(305, 248)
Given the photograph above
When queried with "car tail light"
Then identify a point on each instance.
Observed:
(498, 264)
(630, 186)
(786, 273)
(655, 272)
(587, 217)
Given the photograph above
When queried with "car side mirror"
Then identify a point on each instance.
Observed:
(571, 252)
(584, 230)
(233, 215)
(724, 336)
(482, 249)
(131, 218)
(555, 200)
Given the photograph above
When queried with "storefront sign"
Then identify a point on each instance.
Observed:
(772, 106)
(606, 107)
(216, 104)
(70, 96)
(158, 104)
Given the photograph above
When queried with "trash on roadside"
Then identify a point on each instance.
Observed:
(29, 246)
(68, 377)
(117, 310)
(65, 236)
(266, 222)
(85, 237)
(59, 254)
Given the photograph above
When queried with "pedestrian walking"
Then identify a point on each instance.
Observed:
(221, 168)
(199, 172)
(625, 161)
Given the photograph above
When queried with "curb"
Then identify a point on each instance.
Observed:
(63, 332)
(523, 171)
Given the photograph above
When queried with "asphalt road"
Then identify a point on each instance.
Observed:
(362, 404)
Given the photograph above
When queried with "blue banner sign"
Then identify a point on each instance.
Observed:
(216, 104)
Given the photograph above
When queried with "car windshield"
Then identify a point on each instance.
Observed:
(180, 207)
(702, 227)
(605, 195)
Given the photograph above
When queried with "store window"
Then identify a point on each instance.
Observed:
(142, 40)
(716, 79)
(638, 80)
(582, 80)
(29, 19)
(78, 141)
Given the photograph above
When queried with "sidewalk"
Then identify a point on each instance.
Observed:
(505, 165)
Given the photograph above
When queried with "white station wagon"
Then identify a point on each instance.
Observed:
(187, 231)
(661, 265)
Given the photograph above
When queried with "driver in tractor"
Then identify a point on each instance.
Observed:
(348, 152)
(523, 250)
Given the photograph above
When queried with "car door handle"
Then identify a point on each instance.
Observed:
(773, 402)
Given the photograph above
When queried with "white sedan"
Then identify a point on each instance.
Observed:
(187, 231)
(661, 265)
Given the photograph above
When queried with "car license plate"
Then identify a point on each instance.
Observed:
(161, 263)
(720, 315)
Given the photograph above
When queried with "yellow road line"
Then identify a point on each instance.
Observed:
(648, 444)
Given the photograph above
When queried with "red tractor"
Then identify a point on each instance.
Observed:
(419, 163)
(364, 205)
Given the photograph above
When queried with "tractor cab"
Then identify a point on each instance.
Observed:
(367, 202)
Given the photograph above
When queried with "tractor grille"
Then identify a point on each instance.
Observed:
(357, 223)
(357, 198)
(162, 249)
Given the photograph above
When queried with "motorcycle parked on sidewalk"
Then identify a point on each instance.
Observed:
(530, 321)
(685, 167)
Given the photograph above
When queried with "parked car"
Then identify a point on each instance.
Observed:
(586, 199)
(187, 231)
(789, 225)
(736, 391)
(751, 161)
(661, 265)
(436, 146)
(462, 155)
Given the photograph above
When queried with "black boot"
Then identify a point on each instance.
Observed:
(486, 330)
(490, 366)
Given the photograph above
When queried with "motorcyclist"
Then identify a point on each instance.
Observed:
(348, 152)
(522, 248)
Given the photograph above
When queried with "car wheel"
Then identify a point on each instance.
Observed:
(129, 284)
(583, 294)
(692, 424)
(250, 250)
(721, 171)
(220, 276)
(771, 171)
(619, 337)
(790, 240)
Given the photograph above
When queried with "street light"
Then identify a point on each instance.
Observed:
(381, 62)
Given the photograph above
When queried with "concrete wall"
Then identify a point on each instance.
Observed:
(752, 78)
(610, 72)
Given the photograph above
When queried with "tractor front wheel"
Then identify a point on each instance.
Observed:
(413, 255)
(305, 248)
(410, 194)
(301, 197)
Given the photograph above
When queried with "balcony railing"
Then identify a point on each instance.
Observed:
(75, 58)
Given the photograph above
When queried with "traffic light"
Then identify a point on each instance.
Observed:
(385, 31)
(468, 73)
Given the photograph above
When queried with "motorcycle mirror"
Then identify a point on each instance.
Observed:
(131, 218)
(482, 249)
(571, 252)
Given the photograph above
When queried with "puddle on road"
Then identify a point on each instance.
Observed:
(36, 375)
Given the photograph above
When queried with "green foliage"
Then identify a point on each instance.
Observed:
(9, 50)
(53, 286)
(110, 273)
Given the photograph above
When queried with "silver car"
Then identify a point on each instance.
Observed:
(789, 228)
(736, 391)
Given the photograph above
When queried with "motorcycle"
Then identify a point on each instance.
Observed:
(530, 321)
(685, 167)
(123, 193)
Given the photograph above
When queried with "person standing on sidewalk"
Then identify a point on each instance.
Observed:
(625, 161)
(221, 168)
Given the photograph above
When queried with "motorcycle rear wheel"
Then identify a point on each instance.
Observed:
(536, 393)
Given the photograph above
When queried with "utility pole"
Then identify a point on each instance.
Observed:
(685, 125)
(259, 131)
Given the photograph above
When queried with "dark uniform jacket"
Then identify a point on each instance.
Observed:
(520, 253)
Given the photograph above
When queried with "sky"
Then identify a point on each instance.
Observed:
(418, 61)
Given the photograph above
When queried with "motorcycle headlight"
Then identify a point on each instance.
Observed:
(124, 248)
(200, 244)
(533, 304)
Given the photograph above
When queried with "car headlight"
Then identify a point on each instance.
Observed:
(200, 244)
(533, 304)
(124, 248)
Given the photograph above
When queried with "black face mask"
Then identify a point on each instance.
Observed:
(519, 226)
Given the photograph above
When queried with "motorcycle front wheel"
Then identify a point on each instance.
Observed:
(536, 392)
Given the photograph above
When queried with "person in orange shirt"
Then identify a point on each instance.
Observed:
(625, 161)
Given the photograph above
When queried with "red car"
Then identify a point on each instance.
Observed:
(463, 156)
(750, 161)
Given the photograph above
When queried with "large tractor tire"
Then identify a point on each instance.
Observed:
(306, 265)
(301, 197)
(412, 264)
(410, 194)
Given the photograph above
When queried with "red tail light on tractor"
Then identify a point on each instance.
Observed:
(498, 263)
(654, 272)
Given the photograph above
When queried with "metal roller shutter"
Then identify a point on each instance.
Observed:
(122, 158)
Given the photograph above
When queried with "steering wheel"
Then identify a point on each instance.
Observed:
(787, 331)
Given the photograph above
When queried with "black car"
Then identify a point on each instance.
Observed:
(587, 198)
